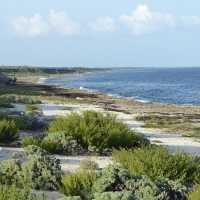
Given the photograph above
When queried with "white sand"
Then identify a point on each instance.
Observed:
(70, 163)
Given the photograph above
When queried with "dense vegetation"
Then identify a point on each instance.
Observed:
(141, 172)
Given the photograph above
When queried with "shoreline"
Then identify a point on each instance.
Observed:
(112, 103)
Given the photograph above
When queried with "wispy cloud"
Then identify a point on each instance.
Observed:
(62, 24)
(143, 21)
(102, 24)
(191, 21)
(29, 27)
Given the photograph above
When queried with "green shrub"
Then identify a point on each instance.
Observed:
(97, 129)
(10, 192)
(30, 140)
(41, 171)
(55, 143)
(6, 105)
(88, 164)
(112, 179)
(153, 161)
(114, 196)
(12, 98)
(60, 143)
(9, 131)
(71, 198)
(8, 171)
(74, 183)
(32, 109)
(33, 149)
(195, 194)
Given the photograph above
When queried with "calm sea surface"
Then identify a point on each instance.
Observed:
(163, 85)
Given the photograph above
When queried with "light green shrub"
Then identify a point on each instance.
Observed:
(33, 149)
(74, 183)
(30, 140)
(42, 172)
(88, 164)
(102, 130)
(195, 194)
(10, 192)
(32, 109)
(9, 131)
(153, 161)
(8, 171)
(112, 179)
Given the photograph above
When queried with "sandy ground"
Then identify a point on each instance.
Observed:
(70, 163)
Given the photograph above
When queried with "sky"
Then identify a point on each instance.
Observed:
(100, 33)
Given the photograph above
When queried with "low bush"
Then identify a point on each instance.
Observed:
(153, 161)
(9, 131)
(10, 192)
(31, 109)
(55, 143)
(118, 180)
(71, 198)
(6, 105)
(195, 194)
(12, 98)
(8, 171)
(73, 184)
(30, 140)
(114, 196)
(97, 129)
(88, 164)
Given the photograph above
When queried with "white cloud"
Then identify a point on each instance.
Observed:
(29, 27)
(191, 21)
(62, 24)
(102, 24)
(143, 21)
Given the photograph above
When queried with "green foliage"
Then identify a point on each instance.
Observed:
(10, 192)
(9, 131)
(6, 105)
(74, 183)
(8, 171)
(138, 187)
(30, 140)
(97, 129)
(88, 164)
(42, 171)
(32, 109)
(61, 144)
(195, 194)
(71, 198)
(13, 98)
(114, 196)
(33, 149)
(55, 143)
(153, 161)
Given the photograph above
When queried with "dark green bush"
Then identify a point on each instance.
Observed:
(6, 105)
(74, 183)
(9, 131)
(119, 180)
(153, 161)
(114, 196)
(97, 129)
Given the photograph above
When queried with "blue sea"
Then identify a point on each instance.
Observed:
(161, 85)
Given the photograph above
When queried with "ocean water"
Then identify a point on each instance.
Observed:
(161, 85)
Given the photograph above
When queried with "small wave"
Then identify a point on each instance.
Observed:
(41, 80)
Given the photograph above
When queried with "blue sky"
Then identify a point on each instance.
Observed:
(94, 33)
